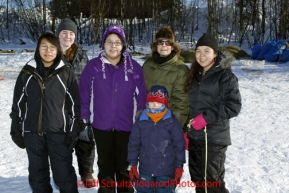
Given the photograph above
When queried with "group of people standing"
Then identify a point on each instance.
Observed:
(137, 118)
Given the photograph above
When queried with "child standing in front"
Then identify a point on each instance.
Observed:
(156, 143)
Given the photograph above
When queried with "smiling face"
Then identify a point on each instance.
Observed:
(48, 52)
(113, 48)
(66, 39)
(164, 48)
(205, 57)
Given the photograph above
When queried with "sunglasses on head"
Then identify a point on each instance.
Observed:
(166, 42)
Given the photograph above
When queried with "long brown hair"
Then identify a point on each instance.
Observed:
(191, 75)
(70, 52)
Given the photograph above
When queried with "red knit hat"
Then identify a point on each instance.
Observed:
(159, 94)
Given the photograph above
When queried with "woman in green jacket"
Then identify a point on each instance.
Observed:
(165, 68)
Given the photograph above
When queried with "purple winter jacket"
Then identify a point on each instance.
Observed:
(116, 93)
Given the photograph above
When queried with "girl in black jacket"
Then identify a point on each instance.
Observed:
(45, 116)
(214, 98)
(76, 58)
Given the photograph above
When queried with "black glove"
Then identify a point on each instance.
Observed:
(86, 133)
(71, 141)
(18, 139)
(138, 113)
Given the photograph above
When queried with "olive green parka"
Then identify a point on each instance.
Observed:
(172, 75)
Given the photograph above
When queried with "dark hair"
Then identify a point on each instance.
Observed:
(52, 39)
(191, 75)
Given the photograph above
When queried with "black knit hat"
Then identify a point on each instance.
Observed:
(66, 24)
(208, 40)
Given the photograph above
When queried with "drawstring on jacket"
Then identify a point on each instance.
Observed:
(126, 56)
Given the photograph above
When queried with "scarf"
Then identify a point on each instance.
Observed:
(156, 117)
(159, 60)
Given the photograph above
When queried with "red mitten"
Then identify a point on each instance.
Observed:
(133, 174)
(178, 175)
(186, 140)
(198, 122)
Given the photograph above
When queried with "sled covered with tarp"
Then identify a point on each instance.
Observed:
(272, 51)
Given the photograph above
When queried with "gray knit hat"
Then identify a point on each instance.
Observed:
(66, 24)
(208, 40)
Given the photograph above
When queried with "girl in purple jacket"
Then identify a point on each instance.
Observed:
(112, 90)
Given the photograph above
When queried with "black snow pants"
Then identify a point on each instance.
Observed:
(50, 147)
(215, 166)
(85, 153)
(112, 161)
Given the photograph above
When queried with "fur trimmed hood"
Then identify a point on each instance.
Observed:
(224, 59)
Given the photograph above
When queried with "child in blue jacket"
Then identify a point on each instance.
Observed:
(156, 143)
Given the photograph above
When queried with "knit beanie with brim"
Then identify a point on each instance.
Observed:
(66, 24)
(208, 40)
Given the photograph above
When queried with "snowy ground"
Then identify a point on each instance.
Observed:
(258, 160)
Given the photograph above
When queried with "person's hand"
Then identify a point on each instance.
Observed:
(198, 122)
(71, 141)
(133, 173)
(178, 175)
(86, 133)
(18, 139)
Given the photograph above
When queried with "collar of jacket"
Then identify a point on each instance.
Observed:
(158, 59)
(33, 64)
(172, 61)
(145, 117)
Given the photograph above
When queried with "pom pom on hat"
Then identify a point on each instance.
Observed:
(159, 94)
(208, 40)
(165, 33)
(66, 24)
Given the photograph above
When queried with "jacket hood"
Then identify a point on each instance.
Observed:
(224, 60)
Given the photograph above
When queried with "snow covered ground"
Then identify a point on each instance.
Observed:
(257, 161)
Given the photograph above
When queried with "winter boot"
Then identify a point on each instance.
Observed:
(88, 181)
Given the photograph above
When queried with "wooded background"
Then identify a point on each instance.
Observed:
(241, 21)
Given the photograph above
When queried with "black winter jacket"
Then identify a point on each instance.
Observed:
(45, 104)
(217, 97)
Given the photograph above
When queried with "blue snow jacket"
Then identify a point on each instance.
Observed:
(158, 148)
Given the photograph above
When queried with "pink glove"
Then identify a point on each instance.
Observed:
(186, 140)
(198, 122)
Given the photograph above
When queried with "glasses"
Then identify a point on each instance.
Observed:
(166, 42)
(113, 43)
(51, 48)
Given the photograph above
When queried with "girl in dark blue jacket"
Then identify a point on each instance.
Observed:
(156, 143)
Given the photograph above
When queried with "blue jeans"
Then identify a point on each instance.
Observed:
(150, 184)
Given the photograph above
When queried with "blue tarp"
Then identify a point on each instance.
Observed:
(272, 51)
